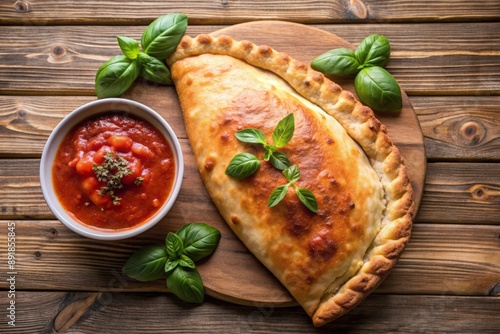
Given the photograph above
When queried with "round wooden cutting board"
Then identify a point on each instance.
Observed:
(232, 273)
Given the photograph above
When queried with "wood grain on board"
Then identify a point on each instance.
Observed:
(230, 11)
(426, 59)
(137, 313)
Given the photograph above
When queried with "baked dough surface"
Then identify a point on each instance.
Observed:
(331, 260)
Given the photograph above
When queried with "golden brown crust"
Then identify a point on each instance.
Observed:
(362, 125)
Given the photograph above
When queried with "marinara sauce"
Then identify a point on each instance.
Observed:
(113, 171)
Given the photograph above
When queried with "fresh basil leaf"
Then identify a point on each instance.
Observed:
(292, 173)
(252, 136)
(378, 89)
(199, 239)
(186, 283)
(243, 165)
(171, 264)
(129, 46)
(154, 70)
(307, 198)
(284, 131)
(268, 151)
(277, 195)
(146, 264)
(340, 61)
(174, 245)
(374, 50)
(162, 36)
(115, 76)
(186, 262)
(279, 160)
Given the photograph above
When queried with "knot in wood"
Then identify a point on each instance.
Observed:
(358, 8)
(472, 133)
(58, 51)
(59, 55)
(52, 233)
(22, 7)
(22, 113)
(481, 193)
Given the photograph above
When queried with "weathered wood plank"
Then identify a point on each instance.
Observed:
(462, 128)
(439, 260)
(462, 193)
(59, 61)
(229, 11)
(158, 313)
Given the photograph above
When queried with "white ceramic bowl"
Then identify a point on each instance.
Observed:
(74, 118)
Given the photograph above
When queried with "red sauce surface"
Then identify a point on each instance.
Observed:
(139, 146)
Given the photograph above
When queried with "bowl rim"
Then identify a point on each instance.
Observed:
(89, 110)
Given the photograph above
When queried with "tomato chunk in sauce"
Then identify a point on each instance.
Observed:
(113, 171)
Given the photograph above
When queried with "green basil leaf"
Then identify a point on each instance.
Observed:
(146, 264)
(374, 50)
(162, 36)
(253, 136)
(115, 76)
(279, 160)
(174, 245)
(284, 131)
(340, 61)
(243, 165)
(154, 70)
(378, 89)
(186, 283)
(307, 198)
(171, 264)
(277, 195)
(268, 151)
(129, 46)
(186, 262)
(199, 239)
(292, 173)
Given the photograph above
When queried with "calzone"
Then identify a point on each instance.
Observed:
(329, 260)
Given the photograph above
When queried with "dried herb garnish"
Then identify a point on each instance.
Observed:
(111, 171)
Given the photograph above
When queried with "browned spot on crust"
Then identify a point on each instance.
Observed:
(365, 283)
(284, 59)
(301, 66)
(235, 219)
(225, 137)
(321, 246)
(247, 45)
(185, 42)
(209, 164)
(265, 50)
(205, 39)
(225, 41)
(318, 77)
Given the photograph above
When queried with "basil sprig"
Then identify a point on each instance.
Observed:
(292, 174)
(375, 86)
(158, 41)
(245, 164)
(176, 259)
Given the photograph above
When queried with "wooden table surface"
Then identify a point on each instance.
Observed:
(445, 55)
